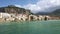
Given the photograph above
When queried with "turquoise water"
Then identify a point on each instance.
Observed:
(33, 27)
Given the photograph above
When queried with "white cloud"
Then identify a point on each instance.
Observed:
(32, 7)
(18, 5)
(41, 5)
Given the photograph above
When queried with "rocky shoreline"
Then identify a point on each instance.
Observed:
(6, 17)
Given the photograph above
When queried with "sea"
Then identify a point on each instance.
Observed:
(30, 27)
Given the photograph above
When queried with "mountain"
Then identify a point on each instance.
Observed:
(53, 13)
(15, 10)
(56, 12)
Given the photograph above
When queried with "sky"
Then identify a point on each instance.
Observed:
(16, 2)
(34, 5)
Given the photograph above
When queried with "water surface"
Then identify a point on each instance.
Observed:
(33, 27)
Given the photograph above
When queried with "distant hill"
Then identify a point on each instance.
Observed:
(54, 13)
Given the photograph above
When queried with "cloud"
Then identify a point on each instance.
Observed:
(42, 5)
(33, 7)
(18, 5)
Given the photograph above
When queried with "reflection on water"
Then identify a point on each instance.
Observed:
(33, 27)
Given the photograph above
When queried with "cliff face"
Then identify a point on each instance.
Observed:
(14, 9)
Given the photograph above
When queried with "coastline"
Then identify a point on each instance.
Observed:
(22, 22)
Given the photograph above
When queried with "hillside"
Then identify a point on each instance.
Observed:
(54, 13)
(14, 9)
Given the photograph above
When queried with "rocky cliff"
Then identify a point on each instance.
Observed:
(14, 9)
